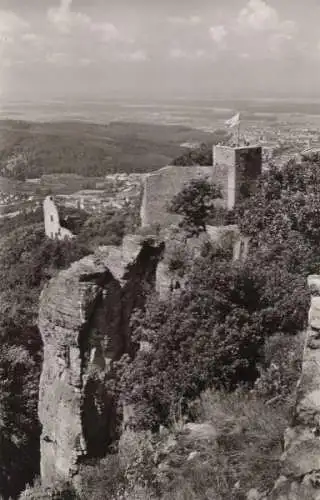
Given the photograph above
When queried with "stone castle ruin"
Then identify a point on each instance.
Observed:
(234, 169)
(84, 320)
(52, 225)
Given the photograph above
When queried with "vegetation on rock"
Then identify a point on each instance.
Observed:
(27, 261)
(196, 204)
(223, 350)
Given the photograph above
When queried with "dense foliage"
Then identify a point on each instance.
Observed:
(203, 154)
(196, 203)
(27, 261)
(213, 333)
(29, 150)
(109, 227)
(288, 200)
(232, 324)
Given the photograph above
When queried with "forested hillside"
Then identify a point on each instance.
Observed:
(29, 150)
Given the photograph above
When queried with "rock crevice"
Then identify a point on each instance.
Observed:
(84, 320)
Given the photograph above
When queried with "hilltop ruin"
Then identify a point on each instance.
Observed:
(234, 169)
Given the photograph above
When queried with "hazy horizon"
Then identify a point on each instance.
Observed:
(157, 50)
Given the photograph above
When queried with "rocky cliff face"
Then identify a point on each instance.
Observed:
(300, 479)
(84, 322)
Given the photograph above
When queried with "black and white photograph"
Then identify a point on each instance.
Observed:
(159, 250)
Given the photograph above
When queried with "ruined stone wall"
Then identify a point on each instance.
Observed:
(300, 463)
(51, 218)
(235, 170)
(223, 171)
(161, 186)
(52, 226)
(84, 322)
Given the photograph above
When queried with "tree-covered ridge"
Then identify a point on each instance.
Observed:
(30, 150)
(202, 155)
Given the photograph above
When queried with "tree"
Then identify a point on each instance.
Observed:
(27, 260)
(287, 199)
(196, 204)
(214, 333)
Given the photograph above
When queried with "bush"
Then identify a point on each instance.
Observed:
(27, 261)
(213, 333)
(103, 229)
(281, 367)
(103, 479)
(249, 436)
(60, 491)
(196, 203)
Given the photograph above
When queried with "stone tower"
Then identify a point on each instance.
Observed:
(237, 170)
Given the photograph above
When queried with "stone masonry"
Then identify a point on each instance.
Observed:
(300, 475)
(52, 226)
(235, 170)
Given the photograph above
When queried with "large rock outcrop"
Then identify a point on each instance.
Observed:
(300, 479)
(84, 322)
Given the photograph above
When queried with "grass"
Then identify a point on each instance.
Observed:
(246, 454)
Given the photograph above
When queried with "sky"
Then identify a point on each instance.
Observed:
(158, 48)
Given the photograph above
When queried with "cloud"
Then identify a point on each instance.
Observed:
(218, 33)
(66, 20)
(177, 53)
(138, 56)
(185, 21)
(66, 60)
(11, 24)
(58, 58)
(277, 41)
(262, 34)
(32, 38)
(258, 15)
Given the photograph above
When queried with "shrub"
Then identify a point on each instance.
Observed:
(212, 334)
(196, 204)
(27, 261)
(247, 451)
(281, 367)
(103, 479)
(59, 491)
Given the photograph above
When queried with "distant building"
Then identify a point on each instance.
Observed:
(53, 228)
